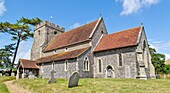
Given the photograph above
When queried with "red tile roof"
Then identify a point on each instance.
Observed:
(73, 36)
(119, 40)
(28, 63)
(62, 56)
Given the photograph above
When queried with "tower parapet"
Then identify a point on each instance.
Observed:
(49, 24)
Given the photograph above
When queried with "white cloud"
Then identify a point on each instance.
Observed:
(133, 6)
(24, 50)
(51, 16)
(161, 47)
(77, 24)
(2, 7)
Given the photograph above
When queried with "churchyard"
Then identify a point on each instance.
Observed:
(90, 85)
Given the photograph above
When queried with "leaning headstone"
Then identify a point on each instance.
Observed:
(52, 79)
(0, 74)
(12, 74)
(73, 80)
(31, 76)
(23, 75)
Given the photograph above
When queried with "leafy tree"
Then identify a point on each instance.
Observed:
(158, 62)
(5, 56)
(20, 31)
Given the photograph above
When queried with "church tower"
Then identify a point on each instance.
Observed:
(43, 33)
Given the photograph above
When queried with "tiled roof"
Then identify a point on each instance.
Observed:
(73, 36)
(28, 63)
(167, 62)
(62, 56)
(121, 39)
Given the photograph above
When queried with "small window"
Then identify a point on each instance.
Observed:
(66, 65)
(55, 32)
(53, 65)
(100, 66)
(102, 32)
(144, 45)
(86, 64)
(38, 32)
(120, 60)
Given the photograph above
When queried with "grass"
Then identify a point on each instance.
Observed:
(3, 88)
(96, 85)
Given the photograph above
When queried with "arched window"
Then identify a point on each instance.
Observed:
(144, 45)
(86, 64)
(100, 66)
(120, 60)
(66, 65)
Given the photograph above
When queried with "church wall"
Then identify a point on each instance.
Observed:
(59, 67)
(111, 57)
(146, 58)
(82, 73)
(99, 32)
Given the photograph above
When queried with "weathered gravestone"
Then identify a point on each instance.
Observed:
(0, 74)
(12, 74)
(52, 79)
(31, 76)
(73, 80)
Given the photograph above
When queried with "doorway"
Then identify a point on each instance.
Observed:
(110, 72)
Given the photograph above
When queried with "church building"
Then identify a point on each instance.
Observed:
(90, 51)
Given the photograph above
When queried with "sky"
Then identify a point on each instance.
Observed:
(118, 15)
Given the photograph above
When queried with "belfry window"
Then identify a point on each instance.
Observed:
(86, 64)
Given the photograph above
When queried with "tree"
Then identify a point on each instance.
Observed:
(5, 56)
(158, 61)
(20, 31)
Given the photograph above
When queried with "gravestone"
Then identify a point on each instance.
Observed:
(52, 79)
(23, 75)
(73, 80)
(31, 76)
(0, 74)
(12, 74)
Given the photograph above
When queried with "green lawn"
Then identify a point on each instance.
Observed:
(91, 85)
(3, 88)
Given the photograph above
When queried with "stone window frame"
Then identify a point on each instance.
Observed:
(86, 64)
(66, 65)
(119, 59)
(53, 64)
(98, 69)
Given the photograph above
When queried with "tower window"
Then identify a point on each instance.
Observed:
(102, 32)
(38, 32)
(55, 32)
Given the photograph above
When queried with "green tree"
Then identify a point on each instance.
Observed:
(5, 56)
(158, 61)
(20, 31)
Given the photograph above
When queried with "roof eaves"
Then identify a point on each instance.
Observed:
(95, 27)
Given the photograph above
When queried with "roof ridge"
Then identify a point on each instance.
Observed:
(123, 30)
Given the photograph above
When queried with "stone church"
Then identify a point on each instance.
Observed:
(90, 51)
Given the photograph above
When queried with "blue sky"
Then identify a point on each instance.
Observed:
(118, 15)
